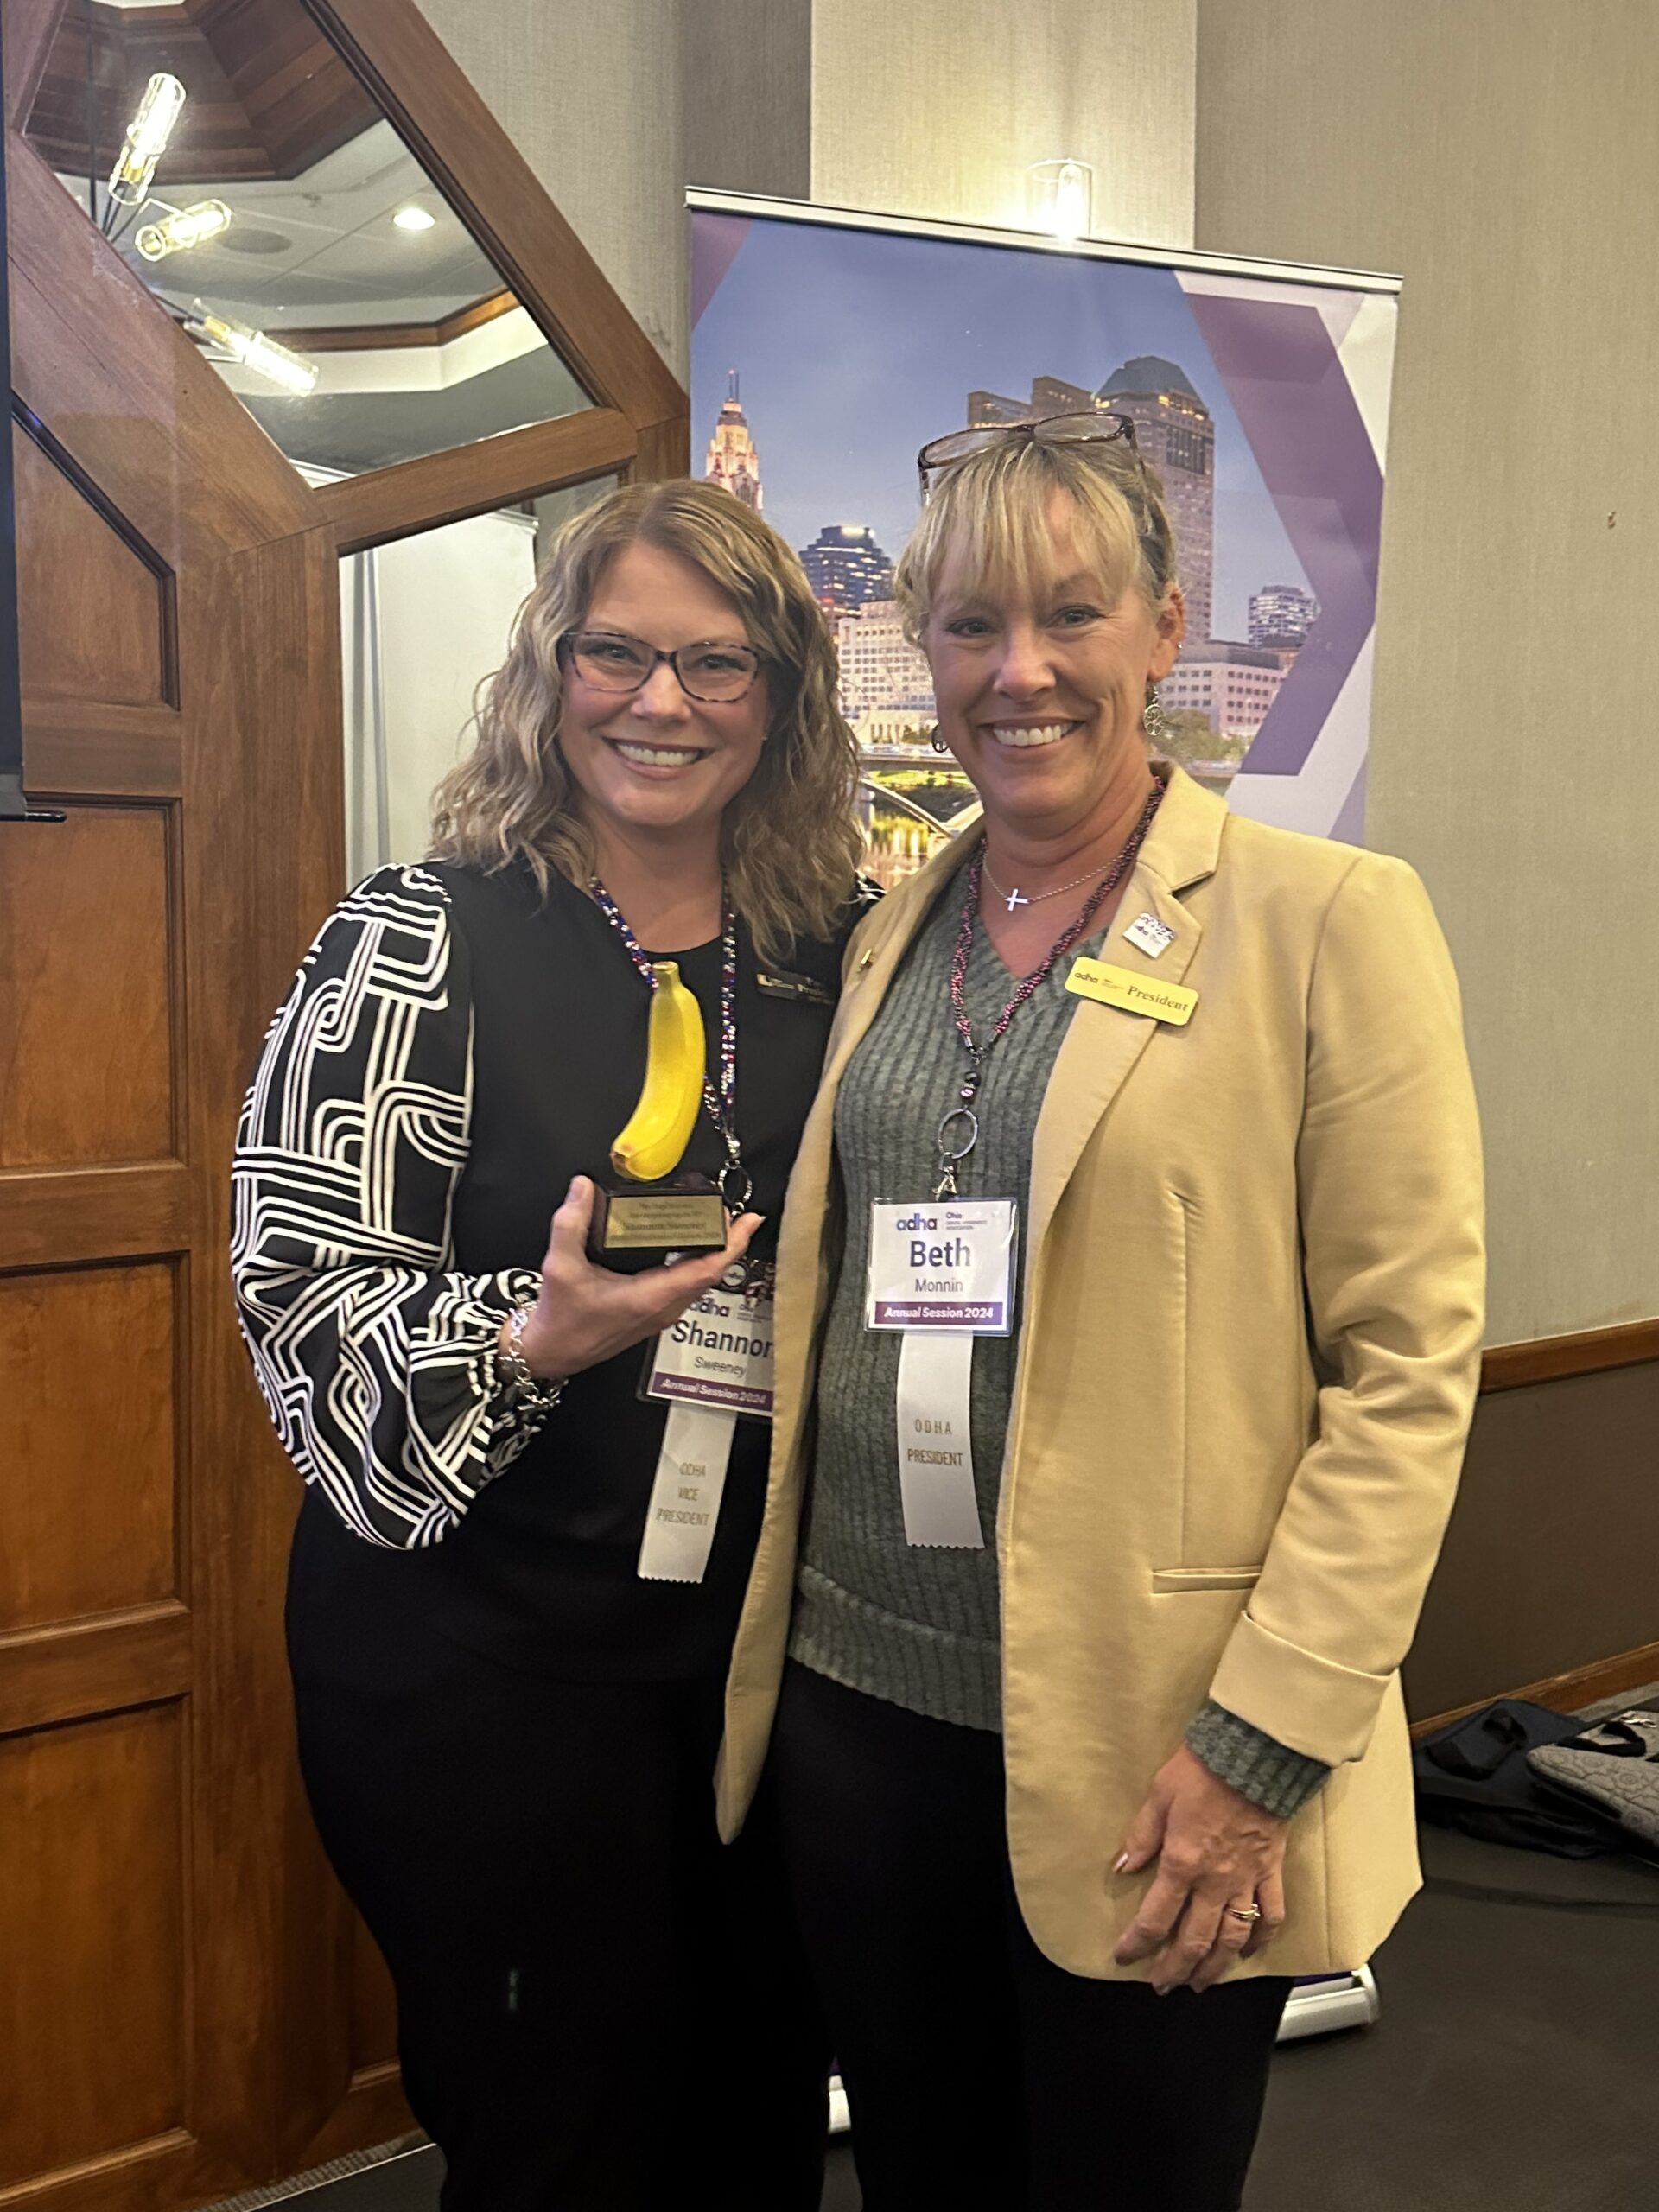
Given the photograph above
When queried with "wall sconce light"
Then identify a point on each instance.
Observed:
(1059, 197)
(180, 228)
(280, 363)
(146, 140)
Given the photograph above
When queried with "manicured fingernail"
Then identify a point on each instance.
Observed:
(1120, 1862)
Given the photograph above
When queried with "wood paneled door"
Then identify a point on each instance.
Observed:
(187, 2006)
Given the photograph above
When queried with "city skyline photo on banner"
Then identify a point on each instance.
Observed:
(824, 357)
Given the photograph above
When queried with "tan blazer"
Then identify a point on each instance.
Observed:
(1253, 1311)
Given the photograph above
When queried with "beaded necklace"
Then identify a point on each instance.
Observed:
(958, 1131)
(736, 1183)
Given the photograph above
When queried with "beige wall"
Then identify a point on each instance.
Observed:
(1499, 153)
(1502, 154)
(618, 108)
(935, 107)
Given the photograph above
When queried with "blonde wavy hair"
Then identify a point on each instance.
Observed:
(994, 507)
(790, 840)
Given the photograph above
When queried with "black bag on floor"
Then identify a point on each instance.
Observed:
(1472, 1775)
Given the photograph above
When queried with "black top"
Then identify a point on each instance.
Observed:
(454, 1051)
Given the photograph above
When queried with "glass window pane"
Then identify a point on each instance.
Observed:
(247, 175)
(423, 622)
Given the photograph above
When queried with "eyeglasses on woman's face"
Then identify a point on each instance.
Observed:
(1094, 428)
(713, 671)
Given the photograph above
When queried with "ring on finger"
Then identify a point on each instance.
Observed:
(1245, 1912)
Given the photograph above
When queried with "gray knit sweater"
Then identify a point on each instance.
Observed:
(919, 1627)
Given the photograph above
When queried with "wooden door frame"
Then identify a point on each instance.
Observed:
(639, 425)
(130, 419)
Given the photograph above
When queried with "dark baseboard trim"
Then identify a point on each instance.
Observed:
(1627, 1670)
(1587, 1352)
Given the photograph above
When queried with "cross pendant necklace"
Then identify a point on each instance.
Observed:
(1018, 898)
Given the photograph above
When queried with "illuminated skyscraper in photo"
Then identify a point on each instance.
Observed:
(845, 566)
(1176, 434)
(732, 459)
(1282, 615)
(1174, 431)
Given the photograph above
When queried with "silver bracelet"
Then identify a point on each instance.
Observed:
(534, 1393)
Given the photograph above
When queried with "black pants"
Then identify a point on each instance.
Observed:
(982, 2077)
(600, 2008)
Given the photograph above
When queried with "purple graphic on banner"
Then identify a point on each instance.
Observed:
(716, 241)
(1298, 410)
(1348, 828)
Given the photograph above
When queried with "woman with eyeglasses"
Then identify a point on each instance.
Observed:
(534, 1481)
(1129, 1326)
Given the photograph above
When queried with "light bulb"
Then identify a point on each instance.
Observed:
(1059, 197)
(1071, 201)
(291, 371)
(181, 228)
(413, 218)
(146, 139)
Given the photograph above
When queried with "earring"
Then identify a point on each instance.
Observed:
(1154, 720)
(937, 741)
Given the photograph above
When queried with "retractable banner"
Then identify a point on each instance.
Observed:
(829, 348)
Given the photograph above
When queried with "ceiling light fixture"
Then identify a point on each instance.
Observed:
(415, 219)
(146, 141)
(180, 228)
(284, 367)
(1059, 198)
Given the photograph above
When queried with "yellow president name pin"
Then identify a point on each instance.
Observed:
(1121, 987)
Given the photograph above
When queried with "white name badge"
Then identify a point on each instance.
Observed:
(942, 1263)
(712, 1365)
(721, 1353)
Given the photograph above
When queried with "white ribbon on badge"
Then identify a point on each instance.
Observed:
(936, 1453)
(684, 1507)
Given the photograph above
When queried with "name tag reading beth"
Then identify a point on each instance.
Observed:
(942, 1263)
(1121, 987)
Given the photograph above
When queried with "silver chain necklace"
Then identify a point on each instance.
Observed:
(1017, 898)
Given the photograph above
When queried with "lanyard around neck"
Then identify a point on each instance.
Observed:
(958, 1130)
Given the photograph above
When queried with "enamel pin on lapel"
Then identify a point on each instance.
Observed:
(1148, 935)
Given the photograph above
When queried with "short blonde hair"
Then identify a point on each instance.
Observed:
(791, 841)
(994, 506)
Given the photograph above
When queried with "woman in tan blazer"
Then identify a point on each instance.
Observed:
(1093, 1627)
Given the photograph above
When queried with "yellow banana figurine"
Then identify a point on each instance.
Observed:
(660, 1127)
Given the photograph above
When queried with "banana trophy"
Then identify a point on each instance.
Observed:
(652, 1144)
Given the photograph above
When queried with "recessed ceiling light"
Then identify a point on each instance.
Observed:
(413, 218)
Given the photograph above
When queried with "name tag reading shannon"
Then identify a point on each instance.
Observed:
(1121, 987)
(712, 1366)
(720, 1352)
(942, 1263)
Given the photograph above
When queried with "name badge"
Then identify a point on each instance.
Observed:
(1121, 987)
(780, 984)
(721, 1353)
(712, 1366)
(942, 1263)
